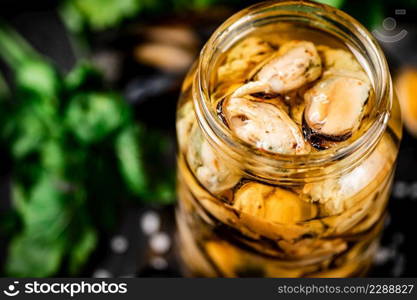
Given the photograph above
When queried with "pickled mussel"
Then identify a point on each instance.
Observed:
(334, 107)
(208, 167)
(272, 204)
(264, 124)
(340, 60)
(295, 64)
(242, 59)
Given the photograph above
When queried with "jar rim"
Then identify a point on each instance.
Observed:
(319, 14)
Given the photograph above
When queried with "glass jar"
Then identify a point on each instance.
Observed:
(245, 212)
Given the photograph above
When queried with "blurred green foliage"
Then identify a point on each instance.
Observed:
(76, 153)
(371, 13)
(96, 15)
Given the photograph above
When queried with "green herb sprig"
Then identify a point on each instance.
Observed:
(77, 154)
